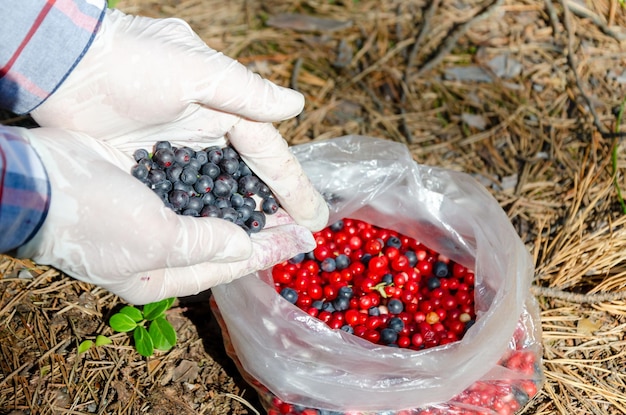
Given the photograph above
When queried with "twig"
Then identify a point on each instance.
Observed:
(421, 35)
(582, 11)
(453, 38)
(559, 294)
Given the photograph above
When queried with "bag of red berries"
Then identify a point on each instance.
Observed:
(415, 301)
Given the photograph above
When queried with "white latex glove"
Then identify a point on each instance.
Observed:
(144, 80)
(107, 228)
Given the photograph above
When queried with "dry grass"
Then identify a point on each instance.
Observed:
(540, 137)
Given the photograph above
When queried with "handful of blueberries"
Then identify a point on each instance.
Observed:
(213, 182)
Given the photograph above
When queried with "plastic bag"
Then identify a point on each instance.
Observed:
(300, 360)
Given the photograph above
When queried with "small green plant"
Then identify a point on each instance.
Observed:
(150, 327)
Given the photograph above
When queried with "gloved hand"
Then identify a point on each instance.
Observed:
(144, 80)
(107, 228)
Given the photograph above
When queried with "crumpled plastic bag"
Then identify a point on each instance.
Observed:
(298, 359)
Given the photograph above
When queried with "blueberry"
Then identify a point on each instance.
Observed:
(229, 214)
(256, 221)
(173, 173)
(394, 242)
(244, 170)
(183, 156)
(229, 166)
(202, 157)
(248, 201)
(210, 211)
(148, 163)
(365, 259)
(244, 212)
(345, 292)
(189, 175)
(204, 184)
(215, 156)
(163, 186)
(412, 257)
(269, 205)
(328, 306)
(388, 279)
(140, 171)
(342, 261)
(297, 258)
(249, 185)
(195, 203)
(184, 187)
(230, 153)
(395, 306)
(289, 294)
(440, 269)
(190, 212)
(388, 336)
(328, 265)
(236, 200)
(140, 153)
(179, 199)
(337, 226)
(432, 283)
(211, 170)
(208, 198)
(264, 191)
(373, 311)
(162, 144)
(318, 304)
(341, 303)
(195, 163)
(396, 324)
(221, 188)
(157, 175)
(163, 157)
(347, 328)
(222, 203)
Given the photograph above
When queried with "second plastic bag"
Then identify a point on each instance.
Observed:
(302, 361)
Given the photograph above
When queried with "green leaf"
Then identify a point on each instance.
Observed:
(162, 333)
(170, 302)
(102, 340)
(132, 312)
(122, 323)
(143, 342)
(84, 346)
(154, 310)
(112, 3)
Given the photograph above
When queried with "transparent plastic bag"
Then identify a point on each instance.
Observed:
(300, 360)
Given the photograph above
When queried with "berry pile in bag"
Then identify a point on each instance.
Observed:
(380, 285)
(213, 182)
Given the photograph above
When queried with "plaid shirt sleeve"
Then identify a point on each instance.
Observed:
(42, 41)
(24, 190)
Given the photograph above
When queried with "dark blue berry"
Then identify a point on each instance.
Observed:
(256, 221)
(337, 226)
(328, 306)
(140, 153)
(222, 203)
(319, 304)
(289, 294)
(244, 170)
(396, 324)
(215, 156)
(347, 328)
(236, 200)
(173, 173)
(204, 184)
(244, 212)
(211, 170)
(163, 157)
(341, 303)
(373, 311)
(388, 279)
(440, 269)
(342, 261)
(157, 175)
(395, 306)
(328, 265)
(162, 186)
(230, 153)
(210, 211)
(196, 204)
(394, 241)
(249, 185)
(190, 212)
(140, 171)
(432, 283)
(179, 199)
(229, 166)
(412, 257)
(297, 258)
(388, 336)
(208, 198)
(183, 156)
(189, 175)
(269, 205)
(345, 292)
(162, 144)
(202, 157)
